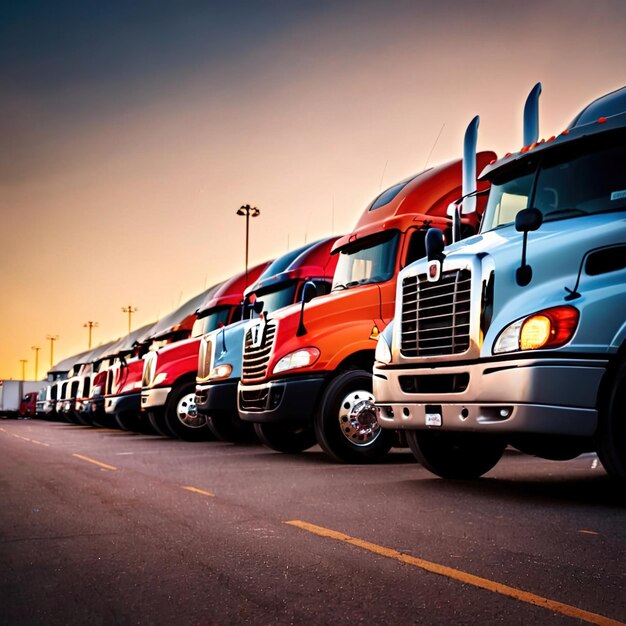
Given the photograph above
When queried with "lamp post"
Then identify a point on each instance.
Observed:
(23, 362)
(130, 310)
(248, 211)
(90, 326)
(36, 349)
(52, 339)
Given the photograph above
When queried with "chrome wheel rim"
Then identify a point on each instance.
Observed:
(187, 412)
(357, 418)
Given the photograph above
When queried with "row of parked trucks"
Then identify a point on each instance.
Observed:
(477, 305)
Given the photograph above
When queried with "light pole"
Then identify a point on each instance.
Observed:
(130, 310)
(36, 349)
(23, 362)
(52, 339)
(90, 326)
(248, 211)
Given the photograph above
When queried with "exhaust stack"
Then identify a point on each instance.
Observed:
(531, 116)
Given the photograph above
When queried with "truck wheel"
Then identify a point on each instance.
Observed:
(156, 417)
(345, 423)
(126, 420)
(455, 455)
(287, 438)
(612, 430)
(228, 427)
(182, 417)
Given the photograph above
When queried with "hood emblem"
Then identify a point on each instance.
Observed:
(434, 271)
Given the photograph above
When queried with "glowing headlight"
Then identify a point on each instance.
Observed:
(220, 372)
(297, 359)
(550, 328)
(383, 352)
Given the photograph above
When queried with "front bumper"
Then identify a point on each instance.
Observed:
(154, 398)
(543, 396)
(293, 399)
(217, 398)
(122, 404)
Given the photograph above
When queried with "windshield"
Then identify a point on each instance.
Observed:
(277, 298)
(589, 180)
(372, 260)
(210, 322)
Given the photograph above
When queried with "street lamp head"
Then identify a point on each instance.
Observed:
(246, 209)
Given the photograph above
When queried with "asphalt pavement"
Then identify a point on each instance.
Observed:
(106, 527)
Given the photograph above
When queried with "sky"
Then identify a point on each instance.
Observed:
(130, 133)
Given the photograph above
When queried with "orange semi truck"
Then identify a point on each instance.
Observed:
(317, 372)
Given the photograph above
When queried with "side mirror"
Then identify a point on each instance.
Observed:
(257, 306)
(527, 220)
(309, 291)
(434, 244)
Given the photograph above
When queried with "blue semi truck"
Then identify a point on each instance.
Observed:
(517, 336)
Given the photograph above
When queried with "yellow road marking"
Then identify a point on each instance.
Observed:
(86, 458)
(463, 577)
(588, 532)
(20, 437)
(3, 430)
(200, 491)
(40, 443)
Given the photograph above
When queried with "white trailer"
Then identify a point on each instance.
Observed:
(12, 392)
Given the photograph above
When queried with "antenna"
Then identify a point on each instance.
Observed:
(380, 188)
(433, 148)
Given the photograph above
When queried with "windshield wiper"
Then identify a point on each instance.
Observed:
(565, 212)
(338, 286)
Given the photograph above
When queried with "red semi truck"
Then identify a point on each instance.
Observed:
(169, 373)
(219, 362)
(314, 372)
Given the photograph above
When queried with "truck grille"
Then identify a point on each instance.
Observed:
(204, 358)
(436, 316)
(256, 359)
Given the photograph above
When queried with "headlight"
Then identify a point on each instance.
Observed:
(550, 328)
(220, 372)
(383, 352)
(294, 360)
(159, 378)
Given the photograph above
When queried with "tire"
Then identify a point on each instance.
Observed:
(612, 430)
(286, 437)
(345, 422)
(228, 427)
(156, 417)
(180, 422)
(126, 421)
(455, 455)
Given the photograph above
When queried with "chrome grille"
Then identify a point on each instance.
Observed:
(256, 359)
(205, 358)
(436, 316)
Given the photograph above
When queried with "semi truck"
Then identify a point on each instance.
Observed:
(518, 336)
(312, 367)
(169, 373)
(11, 394)
(220, 358)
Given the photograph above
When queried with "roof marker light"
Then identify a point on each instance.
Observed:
(551, 138)
(601, 120)
(492, 161)
(507, 155)
(565, 132)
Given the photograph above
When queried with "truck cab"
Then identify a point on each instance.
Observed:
(520, 339)
(169, 374)
(315, 371)
(220, 358)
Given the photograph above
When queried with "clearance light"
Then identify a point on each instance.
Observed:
(507, 155)
(565, 132)
(550, 328)
(220, 372)
(297, 359)
(601, 120)
(551, 138)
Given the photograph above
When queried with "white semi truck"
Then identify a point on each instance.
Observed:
(517, 336)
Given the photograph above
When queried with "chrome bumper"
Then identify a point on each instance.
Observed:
(152, 398)
(549, 396)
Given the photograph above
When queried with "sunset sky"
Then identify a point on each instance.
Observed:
(132, 131)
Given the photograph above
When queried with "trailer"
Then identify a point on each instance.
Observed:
(12, 392)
